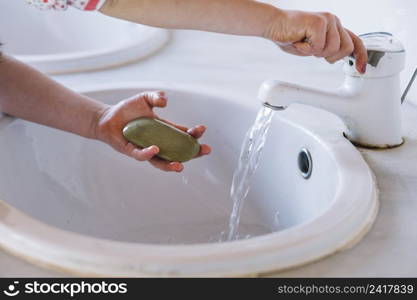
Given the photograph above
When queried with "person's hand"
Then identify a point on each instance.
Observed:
(112, 119)
(319, 34)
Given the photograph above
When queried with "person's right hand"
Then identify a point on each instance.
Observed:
(319, 34)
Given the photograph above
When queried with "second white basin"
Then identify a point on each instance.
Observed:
(73, 41)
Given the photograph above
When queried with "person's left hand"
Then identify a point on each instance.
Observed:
(112, 120)
(320, 34)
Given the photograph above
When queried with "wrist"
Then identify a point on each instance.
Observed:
(257, 18)
(97, 116)
(275, 24)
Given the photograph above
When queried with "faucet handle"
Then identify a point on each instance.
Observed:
(410, 83)
(386, 56)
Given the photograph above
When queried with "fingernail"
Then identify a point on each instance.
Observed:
(206, 150)
(177, 167)
(153, 148)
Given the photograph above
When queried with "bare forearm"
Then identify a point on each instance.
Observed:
(240, 17)
(28, 94)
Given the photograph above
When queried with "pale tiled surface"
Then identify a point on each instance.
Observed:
(238, 65)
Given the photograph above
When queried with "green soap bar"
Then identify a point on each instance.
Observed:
(174, 144)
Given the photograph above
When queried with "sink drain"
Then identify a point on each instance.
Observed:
(305, 163)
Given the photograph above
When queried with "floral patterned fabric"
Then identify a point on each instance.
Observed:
(64, 4)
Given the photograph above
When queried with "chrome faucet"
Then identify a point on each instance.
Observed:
(369, 104)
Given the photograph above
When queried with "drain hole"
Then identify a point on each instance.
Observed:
(350, 62)
(305, 163)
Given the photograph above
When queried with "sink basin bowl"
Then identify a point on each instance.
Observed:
(77, 205)
(73, 41)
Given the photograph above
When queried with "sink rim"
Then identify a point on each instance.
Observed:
(139, 47)
(350, 213)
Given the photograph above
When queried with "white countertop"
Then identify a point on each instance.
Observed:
(238, 65)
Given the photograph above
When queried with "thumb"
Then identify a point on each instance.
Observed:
(154, 98)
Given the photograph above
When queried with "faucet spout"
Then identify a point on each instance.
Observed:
(278, 95)
(369, 108)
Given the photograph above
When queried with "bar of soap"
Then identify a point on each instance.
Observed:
(174, 144)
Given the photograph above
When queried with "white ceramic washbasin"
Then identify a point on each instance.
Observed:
(73, 41)
(77, 205)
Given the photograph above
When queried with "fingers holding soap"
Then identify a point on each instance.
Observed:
(141, 154)
(149, 154)
(155, 98)
(167, 166)
(176, 166)
(204, 150)
(122, 126)
(197, 131)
